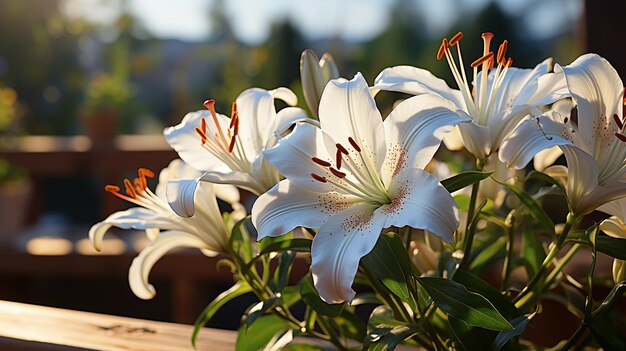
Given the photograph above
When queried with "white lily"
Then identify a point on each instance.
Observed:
(229, 150)
(615, 226)
(356, 175)
(594, 143)
(206, 230)
(500, 97)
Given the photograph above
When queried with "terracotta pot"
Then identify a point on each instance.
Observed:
(101, 125)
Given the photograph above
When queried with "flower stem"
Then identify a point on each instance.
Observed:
(520, 299)
(469, 229)
(506, 266)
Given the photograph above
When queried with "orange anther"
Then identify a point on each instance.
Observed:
(130, 190)
(482, 60)
(442, 49)
(112, 189)
(502, 51)
(202, 135)
(455, 39)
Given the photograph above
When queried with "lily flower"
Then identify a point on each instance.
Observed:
(206, 230)
(315, 74)
(356, 175)
(228, 150)
(615, 226)
(501, 95)
(593, 143)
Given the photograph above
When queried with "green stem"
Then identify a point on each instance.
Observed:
(327, 329)
(469, 229)
(506, 266)
(559, 267)
(541, 271)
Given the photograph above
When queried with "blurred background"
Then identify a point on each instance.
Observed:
(87, 86)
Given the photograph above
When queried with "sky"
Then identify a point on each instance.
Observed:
(355, 20)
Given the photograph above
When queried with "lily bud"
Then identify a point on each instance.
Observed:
(315, 73)
(424, 257)
(619, 270)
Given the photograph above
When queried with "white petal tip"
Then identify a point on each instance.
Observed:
(180, 196)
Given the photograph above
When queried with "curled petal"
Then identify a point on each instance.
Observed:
(416, 81)
(476, 138)
(180, 195)
(614, 227)
(143, 263)
(177, 169)
(240, 179)
(338, 247)
(545, 158)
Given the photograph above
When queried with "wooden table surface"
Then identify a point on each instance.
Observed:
(30, 327)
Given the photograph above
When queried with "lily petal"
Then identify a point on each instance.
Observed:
(420, 201)
(414, 130)
(598, 91)
(546, 157)
(293, 155)
(240, 179)
(614, 227)
(180, 195)
(188, 144)
(338, 247)
(582, 174)
(416, 81)
(286, 207)
(359, 118)
(532, 136)
(476, 138)
(143, 263)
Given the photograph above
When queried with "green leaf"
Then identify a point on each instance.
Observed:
(533, 207)
(302, 347)
(470, 338)
(454, 299)
(464, 179)
(533, 253)
(613, 247)
(519, 324)
(299, 245)
(546, 178)
(240, 240)
(350, 325)
(259, 309)
(281, 275)
(477, 285)
(236, 290)
(313, 300)
(257, 335)
(608, 331)
(610, 299)
(390, 263)
(489, 254)
(392, 337)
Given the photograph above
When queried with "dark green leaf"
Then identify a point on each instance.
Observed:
(236, 290)
(477, 285)
(281, 275)
(259, 309)
(613, 295)
(350, 325)
(365, 298)
(289, 296)
(392, 337)
(470, 338)
(464, 179)
(390, 263)
(519, 324)
(240, 240)
(613, 247)
(454, 299)
(533, 207)
(487, 255)
(302, 347)
(542, 176)
(608, 331)
(299, 245)
(533, 253)
(313, 300)
(257, 335)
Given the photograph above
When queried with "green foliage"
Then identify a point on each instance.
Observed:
(313, 300)
(259, 333)
(464, 179)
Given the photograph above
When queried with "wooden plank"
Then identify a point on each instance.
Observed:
(74, 329)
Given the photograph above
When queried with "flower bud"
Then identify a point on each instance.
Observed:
(315, 74)
(424, 257)
(619, 270)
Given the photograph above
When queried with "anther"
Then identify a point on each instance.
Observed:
(203, 125)
(621, 137)
(619, 123)
(337, 173)
(231, 145)
(319, 178)
(202, 135)
(114, 189)
(354, 144)
(456, 38)
(482, 60)
(234, 115)
(502, 51)
(342, 149)
(130, 190)
(442, 48)
(321, 162)
(138, 185)
(509, 62)
(338, 159)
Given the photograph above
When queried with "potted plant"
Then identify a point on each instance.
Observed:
(105, 97)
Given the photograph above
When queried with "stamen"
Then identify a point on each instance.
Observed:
(337, 173)
(509, 62)
(231, 145)
(455, 39)
(233, 114)
(203, 137)
(321, 162)
(112, 189)
(442, 48)
(203, 125)
(621, 137)
(619, 123)
(338, 159)
(342, 149)
(319, 178)
(130, 191)
(210, 105)
(502, 51)
(138, 185)
(354, 144)
(482, 60)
